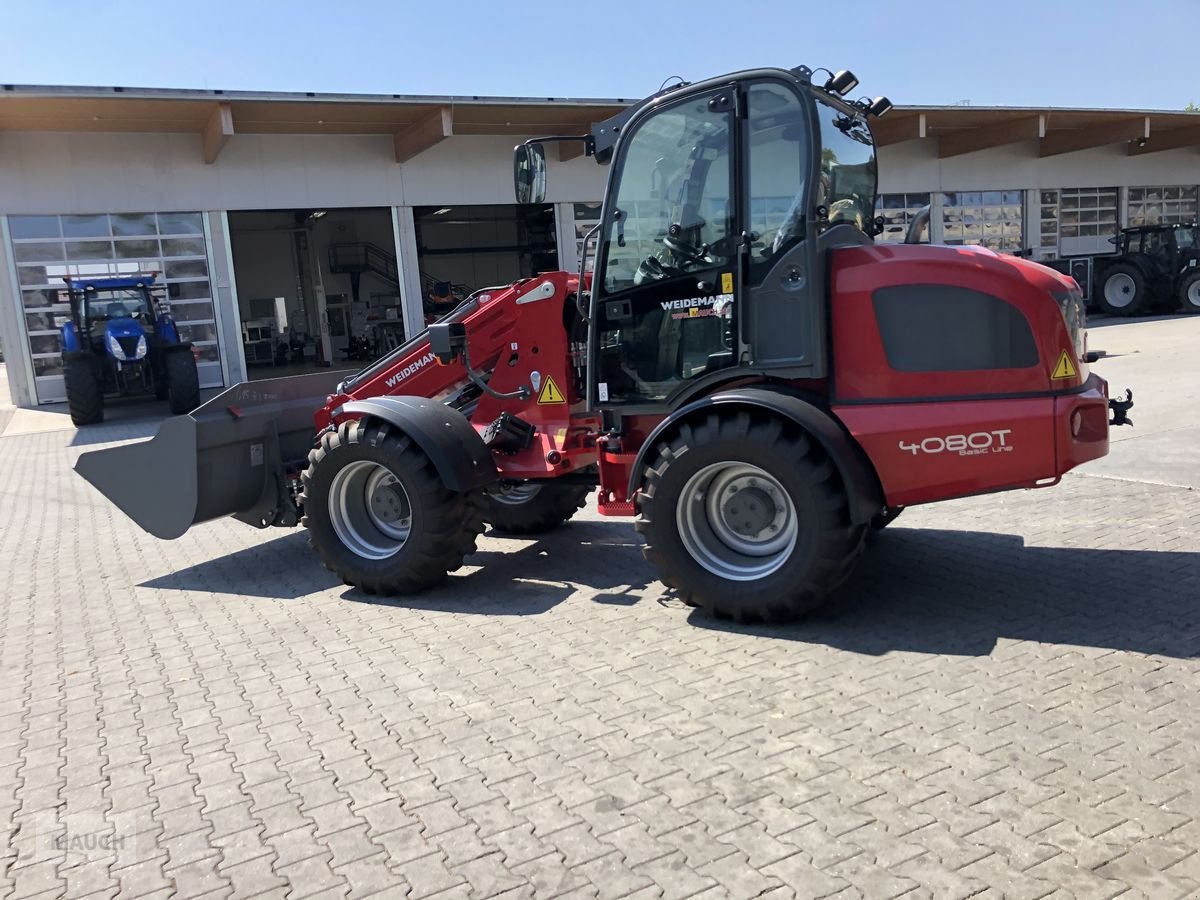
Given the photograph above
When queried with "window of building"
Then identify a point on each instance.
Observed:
(46, 248)
(587, 217)
(1087, 212)
(993, 219)
(1162, 205)
(1049, 224)
(942, 328)
(898, 211)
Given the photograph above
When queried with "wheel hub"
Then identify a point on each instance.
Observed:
(737, 521)
(1119, 290)
(370, 510)
(514, 494)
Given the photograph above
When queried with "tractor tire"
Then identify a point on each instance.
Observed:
(745, 516)
(534, 507)
(160, 381)
(183, 383)
(379, 515)
(1122, 291)
(85, 398)
(1189, 294)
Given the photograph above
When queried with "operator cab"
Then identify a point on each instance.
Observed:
(101, 307)
(721, 200)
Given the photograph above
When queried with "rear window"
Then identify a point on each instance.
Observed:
(941, 328)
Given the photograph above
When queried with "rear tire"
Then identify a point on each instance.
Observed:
(379, 515)
(534, 507)
(183, 382)
(771, 555)
(1189, 294)
(1122, 291)
(85, 399)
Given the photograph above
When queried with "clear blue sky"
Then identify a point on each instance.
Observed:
(1015, 52)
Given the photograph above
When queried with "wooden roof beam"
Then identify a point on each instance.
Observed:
(426, 132)
(1071, 140)
(888, 131)
(971, 140)
(1175, 139)
(216, 132)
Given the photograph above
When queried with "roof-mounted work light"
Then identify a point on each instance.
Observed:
(841, 82)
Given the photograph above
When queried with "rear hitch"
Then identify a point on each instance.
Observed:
(1120, 408)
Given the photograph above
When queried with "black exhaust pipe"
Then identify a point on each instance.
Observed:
(230, 456)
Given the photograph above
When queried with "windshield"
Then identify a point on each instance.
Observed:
(104, 306)
(1186, 238)
(848, 173)
(672, 212)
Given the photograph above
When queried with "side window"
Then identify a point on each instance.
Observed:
(777, 169)
(941, 328)
(1134, 244)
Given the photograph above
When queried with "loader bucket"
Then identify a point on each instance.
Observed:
(226, 457)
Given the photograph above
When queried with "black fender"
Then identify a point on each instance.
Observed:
(462, 460)
(863, 491)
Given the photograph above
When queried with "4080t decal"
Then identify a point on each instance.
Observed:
(975, 444)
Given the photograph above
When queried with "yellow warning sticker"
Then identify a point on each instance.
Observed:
(726, 282)
(1065, 368)
(550, 393)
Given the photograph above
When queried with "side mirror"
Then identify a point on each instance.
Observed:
(529, 173)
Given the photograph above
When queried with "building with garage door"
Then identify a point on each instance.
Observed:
(297, 230)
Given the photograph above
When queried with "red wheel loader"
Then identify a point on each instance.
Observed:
(743, 369)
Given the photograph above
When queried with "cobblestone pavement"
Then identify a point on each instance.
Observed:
(1004, 703)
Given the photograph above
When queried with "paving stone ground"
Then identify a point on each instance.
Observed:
(1004, 703)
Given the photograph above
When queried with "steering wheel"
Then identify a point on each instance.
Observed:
(673, 241)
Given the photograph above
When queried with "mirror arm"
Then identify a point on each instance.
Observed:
(588, 141)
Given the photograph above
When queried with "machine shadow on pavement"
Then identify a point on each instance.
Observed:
(959, 592)
(915, 589)
(530, 579)
(602, 558)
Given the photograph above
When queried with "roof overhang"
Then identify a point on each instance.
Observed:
(417, 123)
(960, 130)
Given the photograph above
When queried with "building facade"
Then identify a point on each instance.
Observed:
(284, 228)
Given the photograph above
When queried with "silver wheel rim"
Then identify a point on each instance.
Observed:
(737, 521)
(370, 510)
(1193, 294)
(1119, 290)
(515, 495)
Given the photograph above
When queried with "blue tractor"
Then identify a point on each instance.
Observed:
(121, 341)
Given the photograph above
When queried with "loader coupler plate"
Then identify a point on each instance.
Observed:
(227, 457)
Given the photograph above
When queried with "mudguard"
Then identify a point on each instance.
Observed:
(462, 460)
(70, 338)
(863, 490)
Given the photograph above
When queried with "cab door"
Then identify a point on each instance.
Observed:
(665, 282)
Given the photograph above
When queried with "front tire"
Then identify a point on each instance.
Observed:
(533, 507)
(379, 515)
(1122, 291)
(1189, 294)
(745, 516)
(183, 383)
(85, 398)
